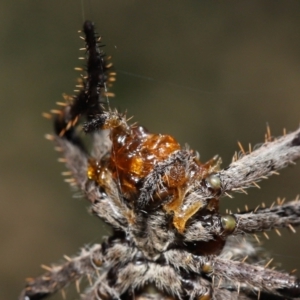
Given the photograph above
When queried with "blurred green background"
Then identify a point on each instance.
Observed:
(208, 72)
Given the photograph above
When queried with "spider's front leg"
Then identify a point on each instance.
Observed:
(259, 220)
(238, 275)
(252, 166)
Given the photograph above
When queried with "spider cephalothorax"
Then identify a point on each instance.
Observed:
(169, 240)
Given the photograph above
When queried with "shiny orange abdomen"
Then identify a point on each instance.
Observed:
(134, 156)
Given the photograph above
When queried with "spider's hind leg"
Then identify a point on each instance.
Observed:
(59, 276)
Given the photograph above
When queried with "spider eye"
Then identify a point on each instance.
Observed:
(207, 268)
(228, 223)
(213, 181)
(97, 262)
(206, 296)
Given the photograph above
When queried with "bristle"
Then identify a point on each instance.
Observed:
(58, 149)
(254, 183)
(46, 268)
(108, 94)
(62, 160)
(62, 132)
(70, 180)
(77, 284)
(67, 97)
(292, 228)
(56, 111)
(269, 262)
(284, 131)
(220, 282)
(244, 259)
(258, 294)
(257, 239)
(234, 157)
(278, 232)
(69, 125)
(228, 195)
(47, 278)
(66, 173)
(127, 120)
(269, 137)
(241, 147)
(61, 103)
(47, 115)
(75, 121)
(266, 235)
(238, 288)
(111, 79)
(49, 137)
(275, 173)
(280, 202)
(242, 190)
(67, 258)
(89, 279)
(63, 294)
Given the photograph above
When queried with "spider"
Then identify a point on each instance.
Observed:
(169, 240)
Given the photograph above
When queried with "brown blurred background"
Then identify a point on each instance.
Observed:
(208, 72)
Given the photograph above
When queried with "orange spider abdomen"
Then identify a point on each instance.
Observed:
(134, 155)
